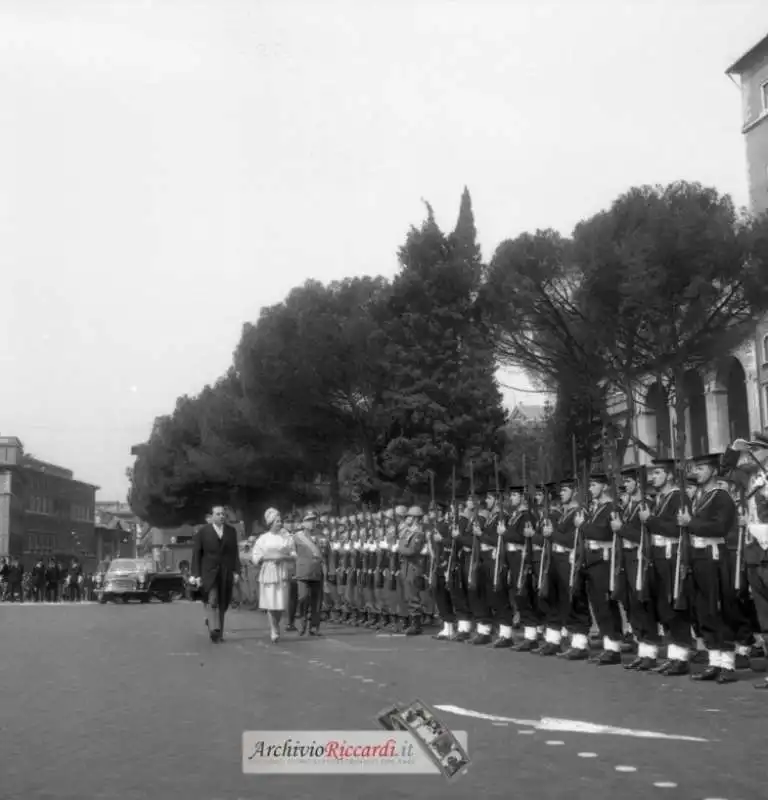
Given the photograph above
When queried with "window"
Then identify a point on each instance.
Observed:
(764, 96)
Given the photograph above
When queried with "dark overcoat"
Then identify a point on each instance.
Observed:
(216, 561)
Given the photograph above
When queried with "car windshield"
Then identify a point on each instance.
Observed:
(124, 565)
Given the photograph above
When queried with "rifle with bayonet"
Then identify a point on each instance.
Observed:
(643, 550)
(474, 557)
(394, 558)
(500, 556)
(546, 547)
(679, 596)
(434, 555)
(454, 523)
(614, 582)
(577, 555)
(527, 547)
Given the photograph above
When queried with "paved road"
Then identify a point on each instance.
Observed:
(134, 701)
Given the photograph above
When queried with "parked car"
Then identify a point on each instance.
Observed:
(137, 579)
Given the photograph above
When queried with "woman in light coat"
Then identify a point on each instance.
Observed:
(273, 553)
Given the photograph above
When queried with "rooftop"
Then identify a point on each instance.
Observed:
(738, 66)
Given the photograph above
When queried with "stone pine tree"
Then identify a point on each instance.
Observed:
(443, 406)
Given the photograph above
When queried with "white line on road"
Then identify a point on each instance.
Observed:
(183, 654)
(568, 725)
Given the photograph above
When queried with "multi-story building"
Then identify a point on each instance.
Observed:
(44, 510)
(752, 71)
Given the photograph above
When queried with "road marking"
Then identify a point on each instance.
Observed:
(368, 680)
(501, 724)
(625, 769)
(555, 743)
(665, 785)
(568, 725)
(183, 654)
(524, 733)
(587, 755)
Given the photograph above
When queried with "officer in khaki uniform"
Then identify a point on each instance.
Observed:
(410, 547)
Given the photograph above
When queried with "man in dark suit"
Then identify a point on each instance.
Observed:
(215, 569)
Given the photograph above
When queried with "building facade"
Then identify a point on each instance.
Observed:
(722, 404)
(118, 530)
(751, 70)
(44, 510)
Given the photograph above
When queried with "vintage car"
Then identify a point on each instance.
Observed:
(137, 579)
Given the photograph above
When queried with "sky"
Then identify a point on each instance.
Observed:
(170, 168)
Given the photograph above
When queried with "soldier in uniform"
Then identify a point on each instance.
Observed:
(633, 536)
(427, 602)
(333, 557)
(518, 542)
(708, 523)
(661, 523)
(568, 608)
(369, 552)
(381, 556)
(456, 577)
(440, 555)
(598, 544)
(410, 547)
(470, 538)
(501, 527)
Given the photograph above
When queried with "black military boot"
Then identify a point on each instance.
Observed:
(414, 629)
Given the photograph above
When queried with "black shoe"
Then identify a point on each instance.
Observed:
(574, 654)
(526, 646)
(292, 628)
(676, 669)
(414, 629)
(608, 658)
(664, 666)
(709, 674)
(481, 639)
(636, 664)
(700, 657)
(215, 636)
(462, 636)
(727, 676)
(648, 664)
(742, 662)
(303, 628)
(442, 637)
(502, 642)
(314, 632)
(550, 649)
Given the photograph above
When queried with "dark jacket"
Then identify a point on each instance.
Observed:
(216, 561)
(309, 559)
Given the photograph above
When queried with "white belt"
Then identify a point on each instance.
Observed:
(536, 548)
(701, 543)
(662, 541)
(558, 548)
(628, 545)
(515, 548)
(593, 544)
(486, 548)
(467, 549)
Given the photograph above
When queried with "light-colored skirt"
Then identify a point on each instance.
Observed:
(274, 586)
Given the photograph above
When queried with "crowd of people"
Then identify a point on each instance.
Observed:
(675, 574)
(49, 581)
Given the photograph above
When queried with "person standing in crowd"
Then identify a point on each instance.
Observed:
(273, 553)
(215, 569)
(309, 575)
(75, 578)
(38, 581)
(52, 581)
(16, 580)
